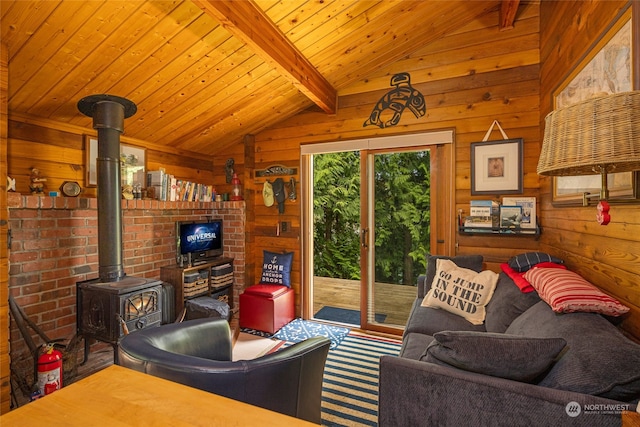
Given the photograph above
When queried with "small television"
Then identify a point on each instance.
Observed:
(199, 241)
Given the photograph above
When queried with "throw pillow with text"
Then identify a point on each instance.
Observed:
(461, 291)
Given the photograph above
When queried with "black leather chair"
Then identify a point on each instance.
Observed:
(197, 353)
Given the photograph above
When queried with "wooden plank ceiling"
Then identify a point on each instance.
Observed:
(204, 73)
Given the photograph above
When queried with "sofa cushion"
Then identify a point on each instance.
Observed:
(461, 291)
(428, 321)
(413, 345)
(566, 291)
(525, 261)
(500, 355)
(507, 303)
(472, 262)
(599, 360)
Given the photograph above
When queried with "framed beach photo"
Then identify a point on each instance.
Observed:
(496, 167)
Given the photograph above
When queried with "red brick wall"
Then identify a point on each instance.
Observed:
(54, 245)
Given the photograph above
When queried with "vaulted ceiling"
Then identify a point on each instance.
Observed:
(204, 73)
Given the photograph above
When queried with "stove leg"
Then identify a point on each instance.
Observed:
(115, 353)
(86, 350)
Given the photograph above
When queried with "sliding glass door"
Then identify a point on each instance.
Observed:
(398, 223)
(336, 229)
(367, 221)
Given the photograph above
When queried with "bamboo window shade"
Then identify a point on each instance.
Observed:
(595, 136)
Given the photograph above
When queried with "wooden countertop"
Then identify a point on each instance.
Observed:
(118, 396)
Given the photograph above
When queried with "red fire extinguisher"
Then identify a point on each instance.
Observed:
(49, 370)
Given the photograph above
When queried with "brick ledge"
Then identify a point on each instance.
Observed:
(20, 201)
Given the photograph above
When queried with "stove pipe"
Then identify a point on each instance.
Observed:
(108, 113)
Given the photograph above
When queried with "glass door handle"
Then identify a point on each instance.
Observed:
(363, 237)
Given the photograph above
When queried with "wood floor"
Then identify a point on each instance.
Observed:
(394, 301)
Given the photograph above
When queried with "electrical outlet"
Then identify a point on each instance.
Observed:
(284, 226)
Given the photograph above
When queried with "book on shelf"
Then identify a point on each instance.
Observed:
(478, 222)
(487, 209)
(155, 178)
(190, 192)
(173, 188)
(528, 205)
(166, 187)
(510, 216)
(466, 229)
(480, 211)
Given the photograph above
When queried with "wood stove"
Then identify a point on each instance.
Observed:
(112, 305)
(108, 311)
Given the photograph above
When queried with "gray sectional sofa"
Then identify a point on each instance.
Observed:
(525, 365)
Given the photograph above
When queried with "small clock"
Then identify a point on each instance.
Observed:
(70, 188)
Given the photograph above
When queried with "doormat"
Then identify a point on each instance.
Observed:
(299, 330)
(344, 315)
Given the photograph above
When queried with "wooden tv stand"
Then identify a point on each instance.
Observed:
(208, 281)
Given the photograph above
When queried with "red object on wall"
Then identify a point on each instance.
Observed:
(603, 217)
(267, 308)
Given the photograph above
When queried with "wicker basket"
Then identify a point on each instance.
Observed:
(599, 134)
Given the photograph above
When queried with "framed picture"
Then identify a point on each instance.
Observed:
(90, 153)
(510, 216)
(132, 162)
(528, 205)
(496, 167)
(605, 69)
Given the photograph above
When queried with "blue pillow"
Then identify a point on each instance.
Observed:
(276, 268)
(524, 262)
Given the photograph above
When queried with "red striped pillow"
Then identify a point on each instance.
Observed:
(518, 277)
(566, 292)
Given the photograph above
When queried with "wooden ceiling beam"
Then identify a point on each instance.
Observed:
(508, 11)
(245, 20)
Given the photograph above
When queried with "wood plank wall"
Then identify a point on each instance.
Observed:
(58, 151)
(609, 256)
(5, 387)
(468, 79)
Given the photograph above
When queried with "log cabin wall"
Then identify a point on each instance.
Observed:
(469, 79)
(5, 389)
(59, 152)
(607, 255)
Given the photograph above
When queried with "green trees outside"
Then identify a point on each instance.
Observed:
(402, 217)
(336, 215)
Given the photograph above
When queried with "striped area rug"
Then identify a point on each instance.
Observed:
(350, 386)
(350, 383)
